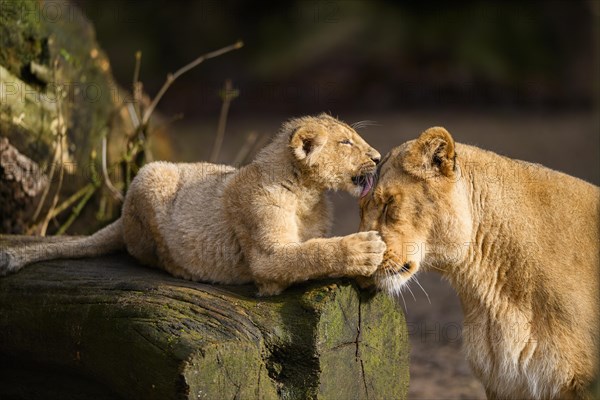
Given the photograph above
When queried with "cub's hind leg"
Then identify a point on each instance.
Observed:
(145, 212)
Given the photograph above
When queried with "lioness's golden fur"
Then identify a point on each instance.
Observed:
(520, 244)
(262, 223)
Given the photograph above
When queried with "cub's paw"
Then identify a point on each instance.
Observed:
(365, 282)
(364, 253)
(269, 289)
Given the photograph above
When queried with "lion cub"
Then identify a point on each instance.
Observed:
(519, 243)
(262, 223)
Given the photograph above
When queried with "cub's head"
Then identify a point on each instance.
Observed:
(420, 207)
(332, 154)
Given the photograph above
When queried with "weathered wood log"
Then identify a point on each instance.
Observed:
(110, 328)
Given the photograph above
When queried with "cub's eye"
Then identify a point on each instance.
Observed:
(347, 142)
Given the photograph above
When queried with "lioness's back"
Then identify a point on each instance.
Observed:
(555, 218)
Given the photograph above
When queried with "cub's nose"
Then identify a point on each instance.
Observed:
(374, 156)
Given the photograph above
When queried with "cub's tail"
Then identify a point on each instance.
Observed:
(104, 241)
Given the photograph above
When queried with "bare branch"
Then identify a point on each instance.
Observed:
(137, 88)
(77, 209)
(133, 115)
(55, 156)
(61, 130)
(228, 94)
(172, 77)
(44, 226)
(244, 151)
(264, 139)
(115, 192)
(136, 71)
(40, 205)
(68, 202)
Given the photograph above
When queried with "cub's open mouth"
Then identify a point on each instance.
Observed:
(365, 182)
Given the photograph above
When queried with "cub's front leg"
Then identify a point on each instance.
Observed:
(284, 264)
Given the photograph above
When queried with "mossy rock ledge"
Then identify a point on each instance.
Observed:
(110, 328)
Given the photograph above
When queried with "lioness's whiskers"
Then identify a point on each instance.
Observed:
(418, 283)
(393, 287)
(411, 292)
(402, 296)
(439, 269)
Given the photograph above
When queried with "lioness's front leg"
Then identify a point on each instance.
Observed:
(282, 265)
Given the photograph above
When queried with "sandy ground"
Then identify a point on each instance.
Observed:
(566, 142)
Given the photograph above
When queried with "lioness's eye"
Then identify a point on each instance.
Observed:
(346, 141)
(384, 212)
(385, 209)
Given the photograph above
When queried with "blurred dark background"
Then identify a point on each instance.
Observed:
(311, 55)
(516, 77)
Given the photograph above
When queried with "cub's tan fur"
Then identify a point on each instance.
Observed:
(519, 243)
(264, 222)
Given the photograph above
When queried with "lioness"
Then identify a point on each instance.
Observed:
(519, 243)
(264, 222)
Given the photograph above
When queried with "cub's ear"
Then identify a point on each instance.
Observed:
(307, 143)
(432, 154)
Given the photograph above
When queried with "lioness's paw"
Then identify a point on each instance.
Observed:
(365, 252)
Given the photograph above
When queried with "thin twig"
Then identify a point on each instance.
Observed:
(136, 71)
(148, 154)
(38, 209)
(77, 210)
(137, 88)
(245, 149)
(172, 77)
(61, 131)
(168, 122)
(133, 115)
(40, 205)
(260, 143)
(54, 200)
(227, 95)
(64, 205)
(115, 192)
(68, 202)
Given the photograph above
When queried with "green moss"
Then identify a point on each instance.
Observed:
(380, 320)
(23, 37)
(222, 370)
(64, 50)
(144, 334)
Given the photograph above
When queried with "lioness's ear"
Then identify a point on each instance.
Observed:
(307, 143)
(431, 154)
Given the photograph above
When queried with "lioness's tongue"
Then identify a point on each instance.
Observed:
(368, 185)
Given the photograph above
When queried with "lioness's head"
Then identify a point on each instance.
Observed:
(332, 154)
(420, 208)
